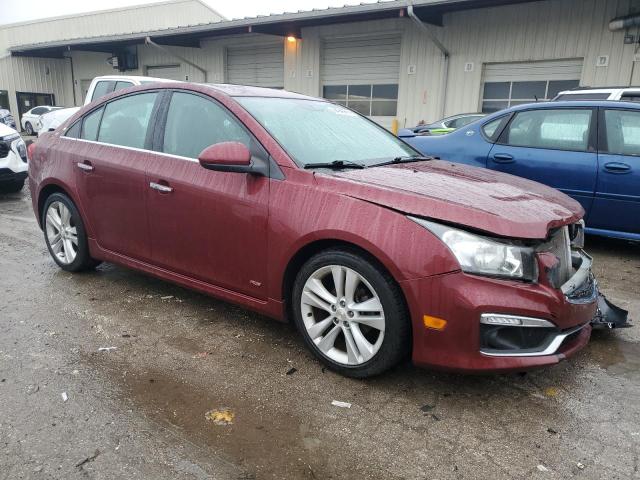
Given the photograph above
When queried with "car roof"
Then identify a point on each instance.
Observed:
(249, 91)
(571, 104)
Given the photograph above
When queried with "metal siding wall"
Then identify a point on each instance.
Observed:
(257, 65)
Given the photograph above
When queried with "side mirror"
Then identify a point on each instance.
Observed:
(227, 157)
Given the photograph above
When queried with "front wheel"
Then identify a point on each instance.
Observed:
(351, 313)
(28, 128)
(65, 234)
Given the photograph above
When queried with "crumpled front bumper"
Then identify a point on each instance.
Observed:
(462, 299)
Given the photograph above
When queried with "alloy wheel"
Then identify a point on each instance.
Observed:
(62, 234)
(343, 315)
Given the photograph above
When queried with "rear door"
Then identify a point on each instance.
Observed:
(617, 199)
(204, 224)
(551, 146)
(110, 162)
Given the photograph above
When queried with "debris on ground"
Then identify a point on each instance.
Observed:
(167, 297)
(291, 371)
(88, 459)
(542, 468)
(427, 408)
(107, 349)
(337, 403)
(552, 431)
(551, 392)
(31, 389)
(580, 465)
(201, 355)
(64, 396)
(221, 416)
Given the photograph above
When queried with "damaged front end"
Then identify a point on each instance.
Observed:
(571, 272)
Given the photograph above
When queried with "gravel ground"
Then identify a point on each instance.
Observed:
(138, 410)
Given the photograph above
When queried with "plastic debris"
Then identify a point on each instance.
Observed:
(64, 396)
(221, 416)
(167, 297)
(542, 468)
(580, 465)
(337, 403)
(107, 349)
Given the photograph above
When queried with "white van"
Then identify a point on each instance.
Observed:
(100, 86)
(624, 94)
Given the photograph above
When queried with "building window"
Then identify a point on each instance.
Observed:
(4, 99)
(499, 95)
(370, 100)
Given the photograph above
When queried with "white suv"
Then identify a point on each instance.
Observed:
(13, 160)
(100, 86)
(625, 94)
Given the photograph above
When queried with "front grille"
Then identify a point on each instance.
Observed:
(5, 148)
(559, 245)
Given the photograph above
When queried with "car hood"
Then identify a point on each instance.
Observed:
(6, 130)
(482, 199)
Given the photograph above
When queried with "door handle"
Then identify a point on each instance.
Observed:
(503, 158)
(617, 167)
(161, 188)
(86, 166)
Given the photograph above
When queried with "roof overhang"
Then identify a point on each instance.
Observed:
(429, 11)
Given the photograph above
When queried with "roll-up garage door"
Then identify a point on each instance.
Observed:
(509, 84)
(362, 73)
(260, 66)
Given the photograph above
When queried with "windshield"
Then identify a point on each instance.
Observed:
(314, 132)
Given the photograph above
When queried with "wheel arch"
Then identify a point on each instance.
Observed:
(311, 248)
(48, 190)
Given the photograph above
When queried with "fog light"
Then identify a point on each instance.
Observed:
(434, 322)
(513, 321)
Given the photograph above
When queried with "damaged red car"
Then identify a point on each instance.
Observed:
(303, 210)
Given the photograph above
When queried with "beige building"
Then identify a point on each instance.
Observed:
(405, 60)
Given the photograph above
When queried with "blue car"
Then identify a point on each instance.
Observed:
(589, 150)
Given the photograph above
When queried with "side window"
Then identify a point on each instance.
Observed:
(631, 97)
(102, 88)
(553, 129)
(126, 120)
(623, 132)
(120, 85)
(90, 125)
(74, 130)
(194, 123)
(492, 129)
(39, 111)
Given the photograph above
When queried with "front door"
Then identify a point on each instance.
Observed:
(551, 146)
(616, 205)
(207, 225)
(110, 173)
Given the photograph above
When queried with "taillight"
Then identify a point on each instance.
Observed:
(30, 149)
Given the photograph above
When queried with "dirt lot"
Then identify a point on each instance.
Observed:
(138, 411)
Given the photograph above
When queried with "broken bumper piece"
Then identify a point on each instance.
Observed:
(609, 315)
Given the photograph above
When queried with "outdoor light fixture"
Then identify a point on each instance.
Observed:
(291, 39)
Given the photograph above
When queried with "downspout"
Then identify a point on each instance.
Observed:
(148, 41)
(441, 47)
(73, 80)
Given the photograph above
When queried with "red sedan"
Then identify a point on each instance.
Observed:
(301, 209)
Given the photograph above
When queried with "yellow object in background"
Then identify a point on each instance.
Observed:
(394, 126)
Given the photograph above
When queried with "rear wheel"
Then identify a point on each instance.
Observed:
(65, 234)
(28, 128)
(351, 313)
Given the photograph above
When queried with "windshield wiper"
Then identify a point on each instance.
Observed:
(404, 159)
(336, 164)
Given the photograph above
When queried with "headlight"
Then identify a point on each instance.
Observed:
(483, 255)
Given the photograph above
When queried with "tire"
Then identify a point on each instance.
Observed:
(28, 128)
(314, 313)
(12, 187)
(79, 258)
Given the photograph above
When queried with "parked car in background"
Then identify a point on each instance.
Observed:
(625, 94)
(29, 118)
(7, 119)
(100, 86)
(52, 120)
(13, 160)
(588, 150)
(447, 125)
(303, 209)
